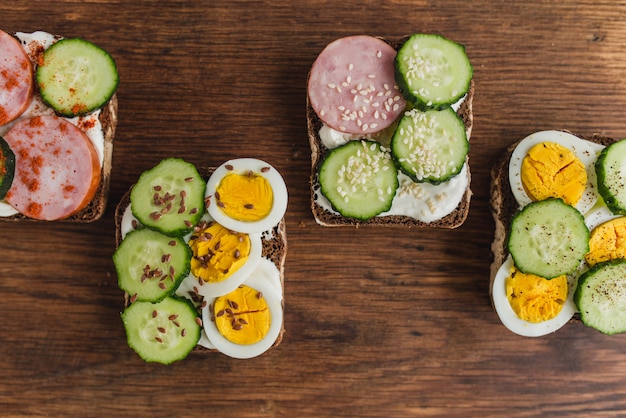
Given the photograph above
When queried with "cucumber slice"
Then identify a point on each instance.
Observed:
(359, 179)
(601, 297)
(169, 197)
(548, 238)
(430, 146)
(150, 265)
(611, 173)
(76, 77)
(432, 71)
(162, 332)
(7, 167)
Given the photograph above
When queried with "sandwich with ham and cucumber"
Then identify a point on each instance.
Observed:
(389, 124)
(58, 115)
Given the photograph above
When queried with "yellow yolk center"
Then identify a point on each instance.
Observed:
(245, 197)
(533, 298)
(607, 241)
(242, 316)
(218, 252)
(551, 170)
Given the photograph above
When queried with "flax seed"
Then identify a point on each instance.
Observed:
(265, 169)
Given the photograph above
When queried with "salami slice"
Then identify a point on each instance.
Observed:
(352, 87)
(57, 169)
(16, 79)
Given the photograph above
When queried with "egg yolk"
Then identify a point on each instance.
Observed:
(607, 241)
(533, 298)
(218, 252)
(551, 170)
(245, 197)
(242, 316)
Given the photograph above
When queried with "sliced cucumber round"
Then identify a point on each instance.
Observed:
(7, 167)
(601, 297)
(611, 173)
(169, 197)
(548, 238)
(150, 265)
(359, 179)
(432, 71)
(162, 332)
(76, 77)
(430, 146)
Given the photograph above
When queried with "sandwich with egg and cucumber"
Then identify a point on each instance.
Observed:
(559, 248)
(58, 116)
(200, 257)
(389, 124)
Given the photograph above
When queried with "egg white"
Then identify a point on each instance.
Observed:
(242, 166)
(264, 279)
(599, 214)
(509, 318)
(583, 149)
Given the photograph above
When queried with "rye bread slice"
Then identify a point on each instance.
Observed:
(96, 208)
(331, 219)
(503, 204)
(274, 248)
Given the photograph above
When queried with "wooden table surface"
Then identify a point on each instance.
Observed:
(379, 321)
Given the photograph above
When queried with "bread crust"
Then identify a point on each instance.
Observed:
(318, 151)
(274, 248)
(503, 204)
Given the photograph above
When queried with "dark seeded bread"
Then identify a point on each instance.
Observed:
(95, 209)
(318, 152)
(274, 247)
(504, 206)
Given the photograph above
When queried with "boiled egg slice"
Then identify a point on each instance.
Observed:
(607, 240)
(246, 195)
(246, 322)
(222, 259)
(552, 176)
(512, 321)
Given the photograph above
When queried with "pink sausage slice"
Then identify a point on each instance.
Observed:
(352, 87)
(16, 79)
(57, 169)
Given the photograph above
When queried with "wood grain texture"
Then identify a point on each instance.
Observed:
(379, 322)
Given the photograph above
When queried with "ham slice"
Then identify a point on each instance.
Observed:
(352, 87)
(16, 79)
(57, 169)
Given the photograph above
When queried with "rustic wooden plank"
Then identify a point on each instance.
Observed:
(379, 322)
